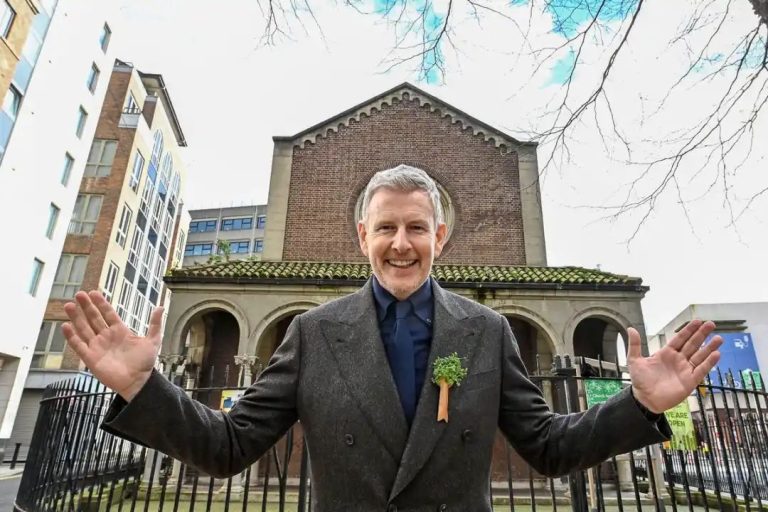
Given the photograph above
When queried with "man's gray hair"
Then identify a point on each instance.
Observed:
(406, 179)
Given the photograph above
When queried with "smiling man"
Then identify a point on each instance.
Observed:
(355, 372)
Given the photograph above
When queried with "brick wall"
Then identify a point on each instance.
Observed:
(328, 176)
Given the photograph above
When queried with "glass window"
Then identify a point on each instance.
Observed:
(12, 102)
(86, 214)
(93, 77)
(138, 167)
(67, 170)
(131, 105)
(133, 254)
(240, 247)
(198, 249)
(258, 245)
(111, 281)
(179, 246)
(201, 226)
(69, 276)
(100, 158)
(37, 272)
(125, 223)
(53, 217)
(49, 346)
(7, 15)
(82, 117)
(236, 224)
(261, 221)
(125, 298)
(106, 34)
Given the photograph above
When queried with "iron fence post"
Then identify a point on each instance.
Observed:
(562, 367)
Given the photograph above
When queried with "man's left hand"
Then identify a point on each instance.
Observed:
(666, 378)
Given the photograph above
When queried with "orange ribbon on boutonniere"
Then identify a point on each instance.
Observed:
(447, 372)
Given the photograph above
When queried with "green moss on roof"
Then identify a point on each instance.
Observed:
(243, 271)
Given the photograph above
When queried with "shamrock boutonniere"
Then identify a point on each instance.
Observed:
(447, 372)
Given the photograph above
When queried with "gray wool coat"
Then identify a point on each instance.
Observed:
(331, 373)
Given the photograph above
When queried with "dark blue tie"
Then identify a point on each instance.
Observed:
(404, 370)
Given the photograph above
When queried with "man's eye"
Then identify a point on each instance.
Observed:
(385, 227)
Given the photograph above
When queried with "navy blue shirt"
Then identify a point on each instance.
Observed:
(419, 326)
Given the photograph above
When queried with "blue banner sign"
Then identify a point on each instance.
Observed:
(737, 354)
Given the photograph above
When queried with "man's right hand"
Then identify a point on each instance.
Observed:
(117, 357)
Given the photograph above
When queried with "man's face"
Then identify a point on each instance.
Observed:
(400, 239)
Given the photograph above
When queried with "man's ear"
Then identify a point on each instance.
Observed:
(440, 233)
(361, 237)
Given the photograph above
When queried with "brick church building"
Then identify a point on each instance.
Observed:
(226, 319)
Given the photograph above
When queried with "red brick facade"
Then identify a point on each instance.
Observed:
(328, 176)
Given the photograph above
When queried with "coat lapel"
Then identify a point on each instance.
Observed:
(356, 344)
(453, 332)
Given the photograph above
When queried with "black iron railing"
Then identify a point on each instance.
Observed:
(73, 465)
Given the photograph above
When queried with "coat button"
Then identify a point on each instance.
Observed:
(443, 507)
(349, 439)
(466, 436)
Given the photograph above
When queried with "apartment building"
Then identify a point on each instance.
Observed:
(241, 226)
(120, 237)
(49, 116)
(15, 23)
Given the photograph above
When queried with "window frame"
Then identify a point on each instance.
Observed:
(261, 221)
(126, 215)
(38, 266)
(98, 167)
(69, 162)
(80, 225)
(51, 334)
(69, 260)
(136, 171)
(207, 222)
(53, 219)
(6, 25)
(258, 245)
(236, 223)
(93, 78)
(82, 118)
(106, 36)
(112, 274)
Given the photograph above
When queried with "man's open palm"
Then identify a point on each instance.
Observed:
(666, 378)
(112, 352)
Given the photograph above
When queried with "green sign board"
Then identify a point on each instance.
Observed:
(600, 390)
(683, 433)
(751, 380)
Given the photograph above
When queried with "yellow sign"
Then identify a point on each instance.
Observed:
(229, 397)
(683, 433)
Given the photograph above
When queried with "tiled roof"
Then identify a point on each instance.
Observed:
(241, 271)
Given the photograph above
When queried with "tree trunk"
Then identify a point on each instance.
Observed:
(761, 9)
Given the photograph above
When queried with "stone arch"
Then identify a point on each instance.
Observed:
(603, 325)
(253, 345)
(178, 332)
(555, 344)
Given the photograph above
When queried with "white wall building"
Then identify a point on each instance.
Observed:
(62, 79)
(734, 318)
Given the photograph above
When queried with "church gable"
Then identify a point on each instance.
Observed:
(476, 168)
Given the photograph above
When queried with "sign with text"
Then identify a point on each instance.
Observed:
(737, 354)
(600, 390)
(683, 433)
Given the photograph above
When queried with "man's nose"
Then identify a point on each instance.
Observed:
(401, 243)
